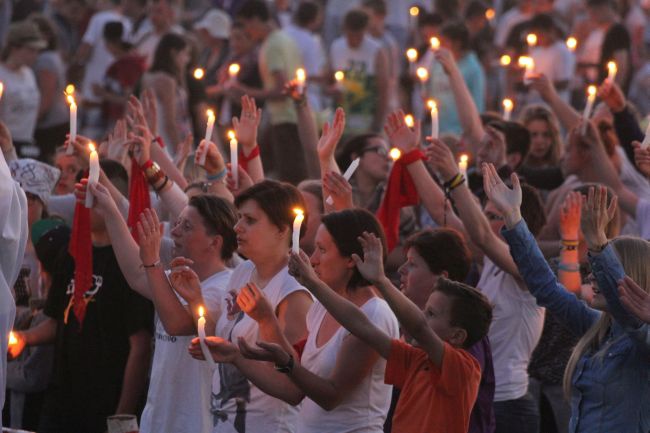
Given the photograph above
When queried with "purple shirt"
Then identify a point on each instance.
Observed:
(482, 417)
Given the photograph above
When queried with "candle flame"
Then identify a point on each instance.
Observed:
(199, 73)
(612, 68)
(12, 338)
(298, 211)
(233, 69)
(301, 75)
(2, 88)
(69, 89)
(339, 76)
(435, 43)
(201, 311)
(508, 104)
(490, 14)
(231, 134)
(92, 147)
(591, 91)
(525, 61)
(410, 122)
(571, 43)
(505, 60)
(209, 113)
(464, 158)
(414, 11)
(412, 54)
(422, 74)
(531, 39)
(432, 105)
(70, 99)
(395, 153)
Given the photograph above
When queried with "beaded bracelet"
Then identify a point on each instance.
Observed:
(217, 177)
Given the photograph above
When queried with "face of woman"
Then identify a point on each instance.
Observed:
(495, 218)
(416, 280)
(182, 58)
(375, 161)
(69, 166)
(313, 222)
(189, 234)
(330, 266)
(597, 301)
(256, 234)
(540, 138)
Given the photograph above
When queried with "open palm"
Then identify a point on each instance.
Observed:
(506, 200)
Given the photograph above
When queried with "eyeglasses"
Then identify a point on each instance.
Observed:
(379, 150)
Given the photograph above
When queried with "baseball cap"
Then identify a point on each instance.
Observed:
(217, 23)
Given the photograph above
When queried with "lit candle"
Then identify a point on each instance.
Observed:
(412, 56)
(508, 105)
(591, 99)
(199, 73)
(505, 60)
(301, 78)
(347, 175)
(12, 338)
(69, 90)
(571, 43)
(414, 11)
(435, 127)
(422, 74)
(462, 164)
(2, 89)
(233, 70)
(531, 39)
(611, 71)
(339, 76)
(208, 135)
(234, 164)
(529, 64)
(646, 140)
(490, 14)
(408, 119)
(297, 222)
(93, 173)
(204, 345)
(435, 43)
(395, 154)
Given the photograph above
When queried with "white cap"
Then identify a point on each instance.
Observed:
(217, 23)
(35, 177)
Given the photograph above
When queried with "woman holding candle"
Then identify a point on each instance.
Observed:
(338, 378)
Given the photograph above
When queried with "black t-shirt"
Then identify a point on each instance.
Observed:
(90, 360)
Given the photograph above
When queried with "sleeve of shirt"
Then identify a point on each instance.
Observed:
(542, 283)
(92, 32)
(401, 358)
(460, 372)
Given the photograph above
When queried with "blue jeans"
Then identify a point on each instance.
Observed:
(517, 416)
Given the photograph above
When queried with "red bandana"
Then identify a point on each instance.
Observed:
(139, 199)
(400, 192)
(81, 250)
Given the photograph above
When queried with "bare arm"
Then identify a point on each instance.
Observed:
(47, 86)
(383, 86)
(567, 115)
(135, 373)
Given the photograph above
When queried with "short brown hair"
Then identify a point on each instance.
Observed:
(219, 217)
(277, 200)
(470, 309)
(443, 250)
(355, 20)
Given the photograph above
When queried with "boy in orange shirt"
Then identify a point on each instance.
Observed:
(439, 380)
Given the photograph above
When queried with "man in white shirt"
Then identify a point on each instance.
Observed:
(518, 14)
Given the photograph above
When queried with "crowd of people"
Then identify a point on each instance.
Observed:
(325, 216)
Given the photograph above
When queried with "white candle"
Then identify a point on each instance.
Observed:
(508, 105)
(612, 69)
(2, 89)
(505, 60)
(297, 222)
(73, 124)
(462, 165)
(339, 76)
(435, 127)
(529, 64)
(423, 75)
(347, 175)
(204, 346)
(301, 78)
(591, 99)
(395, 154)
(12, 338)
(233, 70)
(208, 136)
(412, 56)
(93, 174)
(646, 140)
(234, 164)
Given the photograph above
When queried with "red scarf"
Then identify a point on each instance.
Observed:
(81, 250)
(244, 160)
(139, 199)
(400, 192)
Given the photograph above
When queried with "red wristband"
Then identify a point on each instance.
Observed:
(255, 152)
(147, 164)
(160, 142)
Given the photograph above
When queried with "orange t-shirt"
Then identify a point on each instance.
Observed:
(432, 399)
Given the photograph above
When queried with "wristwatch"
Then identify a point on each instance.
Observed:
(286, 368)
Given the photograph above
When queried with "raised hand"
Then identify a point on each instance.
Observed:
(244, 181)
(506, 200)
(331, 136)
(253, 302)
(149, 236)
(301, 269)
(399, 134)
(543, 85)
(220, 349)
(103, 200)
(269, 352)
(642, 158)
(247, 124)
(372, 264)
(634, 298)
(611, 95)
(441, 159)
(183, 151)
(214, 162)
(117, 143)
(446, 59)
(81, 147)
(335, 186)
(596, 215)
(185, 281)
(570, 216)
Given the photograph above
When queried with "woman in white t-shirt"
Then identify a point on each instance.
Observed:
(338, 379)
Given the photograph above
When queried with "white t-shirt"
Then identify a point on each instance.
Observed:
(237, 404)
(507, 22)
(365, 408)
(179, 391)
(516, 327)
(556, 62)
(100, 58)
(19, 102)
(313, 59)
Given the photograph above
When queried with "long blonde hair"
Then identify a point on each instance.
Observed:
(540, 112)
(633, 254)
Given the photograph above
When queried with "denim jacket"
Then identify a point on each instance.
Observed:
(611, 387)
